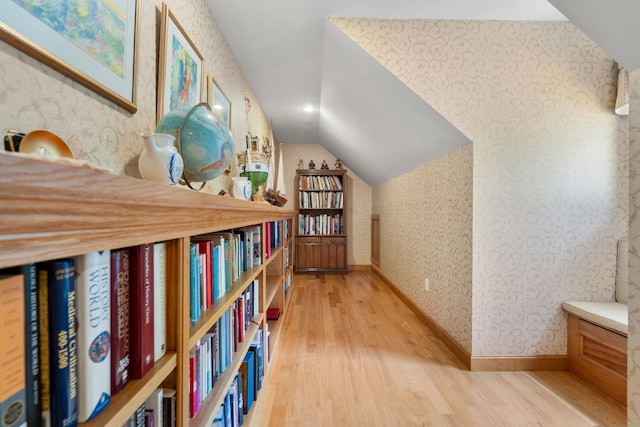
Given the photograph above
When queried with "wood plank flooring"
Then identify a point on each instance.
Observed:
(352, 354)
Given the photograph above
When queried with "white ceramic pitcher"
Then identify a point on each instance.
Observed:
(160, 160)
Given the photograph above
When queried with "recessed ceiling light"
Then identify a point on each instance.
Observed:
(308, 109)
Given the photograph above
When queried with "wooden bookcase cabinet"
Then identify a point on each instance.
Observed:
(50, 210)
(320, 253)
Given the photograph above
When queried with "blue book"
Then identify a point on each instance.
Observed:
(59, 279)
(248, 381)
(194, 288)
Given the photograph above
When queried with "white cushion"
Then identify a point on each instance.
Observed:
(622, 272)
(611, 315)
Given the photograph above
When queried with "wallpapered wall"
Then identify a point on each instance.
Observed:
(633, 387)
(32, 96)
(549, 166)
(358, 201)
(425, 232)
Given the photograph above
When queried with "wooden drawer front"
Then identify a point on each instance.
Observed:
(306, 239)
(604, 347)
(334, 240)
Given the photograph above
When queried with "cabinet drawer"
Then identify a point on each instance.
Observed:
(306, 239)
(334, 240)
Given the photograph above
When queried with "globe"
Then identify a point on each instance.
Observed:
(203, 140)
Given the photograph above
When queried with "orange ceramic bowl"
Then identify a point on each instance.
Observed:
(45, 143)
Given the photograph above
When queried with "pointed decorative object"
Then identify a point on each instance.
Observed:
(622, 100)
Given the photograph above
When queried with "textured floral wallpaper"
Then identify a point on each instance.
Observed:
(358, 202)
(32, 96)
(425, 232)
(633, 388)
(549, 168)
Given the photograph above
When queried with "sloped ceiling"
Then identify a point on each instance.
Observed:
(613, 25)
(292, 56)
(369, 115)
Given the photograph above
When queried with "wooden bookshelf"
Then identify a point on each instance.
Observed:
(321, 232)
(50, 210)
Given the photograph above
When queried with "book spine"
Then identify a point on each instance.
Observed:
(12, 351)
(63, 357)
(159, 300)
(141, 310)
(93, 288)
(120, 339)
(32, 346)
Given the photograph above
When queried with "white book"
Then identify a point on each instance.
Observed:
(159, 300)
(154, 403)
(93, 290)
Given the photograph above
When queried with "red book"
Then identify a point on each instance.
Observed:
(141, 310)
(240, 319)
(193, 386)
(206, 248)
(267, 239)
(120, 282)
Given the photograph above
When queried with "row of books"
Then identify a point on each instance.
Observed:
(217, 261)
(276, 232)
(320, 182)
(320, 200)
(324, 224)
(86, 326)
(243, 391)
(159, 410)
(216, 349)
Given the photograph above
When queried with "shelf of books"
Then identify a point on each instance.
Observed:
(140, 303)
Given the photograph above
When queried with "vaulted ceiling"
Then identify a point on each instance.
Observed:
(292, 56)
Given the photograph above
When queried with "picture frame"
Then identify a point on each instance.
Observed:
(102, 57)
(218, 100)
(180, 67)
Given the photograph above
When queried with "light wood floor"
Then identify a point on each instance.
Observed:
(353, 355)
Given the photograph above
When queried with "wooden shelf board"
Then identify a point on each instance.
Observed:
(210, 405)
(213, 313)
(125, 403)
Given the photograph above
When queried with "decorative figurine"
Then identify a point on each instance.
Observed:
(324, 165)
(338, 164)
(311, 164)
(301, 164)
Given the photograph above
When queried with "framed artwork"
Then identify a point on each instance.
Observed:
(180, 68)
(218, 101)
(94, 46)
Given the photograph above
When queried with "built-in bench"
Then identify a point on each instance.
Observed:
(597, 335)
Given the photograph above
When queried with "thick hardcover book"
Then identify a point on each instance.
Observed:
(12, 351)
(248, 378)
(31, 341)
(159, 300)
(120, 338)
(93, 288)
(59, 279)
(141, 310)
(257, 246)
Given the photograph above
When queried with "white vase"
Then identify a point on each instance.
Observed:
(160, 160)
(241, 188)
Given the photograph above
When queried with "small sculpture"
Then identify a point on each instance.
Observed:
(301, 164)
(338, 164)
(324, 165)
(311, 164)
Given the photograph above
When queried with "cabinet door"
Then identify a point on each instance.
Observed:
(333, 253)
(308, 253)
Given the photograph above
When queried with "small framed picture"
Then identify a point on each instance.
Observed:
(181, 67)
(218, 101)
